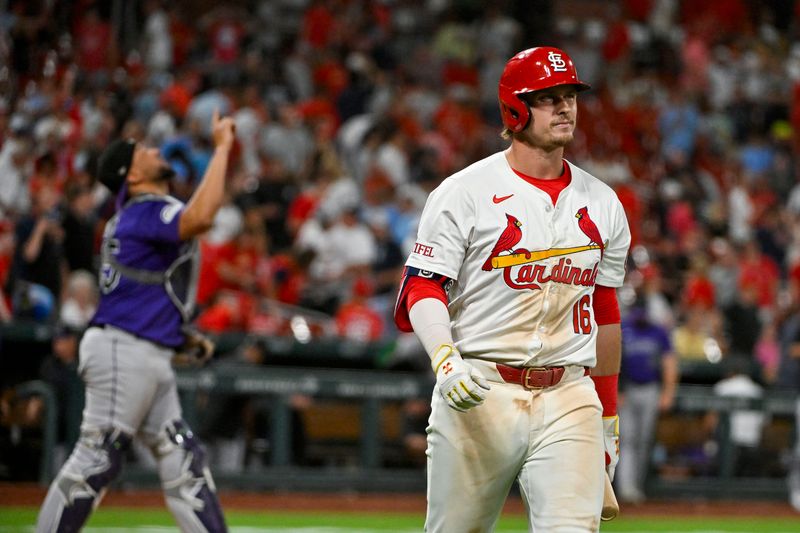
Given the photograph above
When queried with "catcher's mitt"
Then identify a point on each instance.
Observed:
(196, 350)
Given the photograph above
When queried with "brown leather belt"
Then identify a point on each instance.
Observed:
(534, 377)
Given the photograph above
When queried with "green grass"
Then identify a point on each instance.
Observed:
(126, 520)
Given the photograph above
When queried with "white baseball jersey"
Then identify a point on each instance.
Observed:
(524, 270)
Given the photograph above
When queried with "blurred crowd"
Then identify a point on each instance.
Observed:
(349, 112)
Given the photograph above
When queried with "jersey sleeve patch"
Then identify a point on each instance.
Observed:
(422, 249)
(169, 211)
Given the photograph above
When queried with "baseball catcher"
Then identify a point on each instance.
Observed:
(147, 285)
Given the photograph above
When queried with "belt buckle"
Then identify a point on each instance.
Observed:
(526, 376)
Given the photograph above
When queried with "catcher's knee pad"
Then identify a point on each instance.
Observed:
(186, 479)
(80, 485)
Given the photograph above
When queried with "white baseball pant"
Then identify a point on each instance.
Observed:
(549, 440)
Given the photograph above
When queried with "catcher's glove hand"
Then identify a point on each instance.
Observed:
(196, 350)
(461, 385)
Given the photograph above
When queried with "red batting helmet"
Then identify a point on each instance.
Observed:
(532, 70)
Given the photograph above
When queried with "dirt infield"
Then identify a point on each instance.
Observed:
(32, 495)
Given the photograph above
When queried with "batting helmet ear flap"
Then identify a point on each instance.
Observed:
(514, 111)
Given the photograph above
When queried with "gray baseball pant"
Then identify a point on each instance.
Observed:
(130, 391)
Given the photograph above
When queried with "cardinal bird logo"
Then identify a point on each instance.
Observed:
(590, 229)
(508, 239)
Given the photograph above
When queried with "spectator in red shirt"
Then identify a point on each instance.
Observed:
(319, 25)
(244, 265)
(458, 119)
(331, 76)
(95, 49)
(228, 312)
(629, 198)
(209, 282)
(698, 290)
(226, 33)
(355, 319)
(291, 276)
(177, 97)
(761, 272)
(617, 43)
(183, 35)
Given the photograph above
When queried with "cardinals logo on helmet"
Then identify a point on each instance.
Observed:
(557, 63)
(506, 255)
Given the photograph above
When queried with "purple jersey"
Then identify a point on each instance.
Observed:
(643, 346)
(142, 236)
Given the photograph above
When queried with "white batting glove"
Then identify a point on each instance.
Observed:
(611, 443)
(461, 386)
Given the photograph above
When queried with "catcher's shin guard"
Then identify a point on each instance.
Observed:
(188, 486)
(82, 482)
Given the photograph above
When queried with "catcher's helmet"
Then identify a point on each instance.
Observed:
(115, 163)
(532, 70)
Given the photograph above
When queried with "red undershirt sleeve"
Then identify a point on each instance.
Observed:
(605, 305)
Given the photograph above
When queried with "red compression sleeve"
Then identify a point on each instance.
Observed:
(413, 290)
(605, 305)
(606, 311)
(606, 387)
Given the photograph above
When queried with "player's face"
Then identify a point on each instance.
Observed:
(553, 115)
(150, 164)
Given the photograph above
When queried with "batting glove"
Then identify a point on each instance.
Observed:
(611, 443)
(461, 386)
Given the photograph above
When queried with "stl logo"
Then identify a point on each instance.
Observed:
(557, 62)
(448, 367)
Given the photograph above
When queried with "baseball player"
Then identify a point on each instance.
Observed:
(511, 289)
(649, 378)
(147, 284)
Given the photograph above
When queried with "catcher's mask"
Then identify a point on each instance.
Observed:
(532, 70)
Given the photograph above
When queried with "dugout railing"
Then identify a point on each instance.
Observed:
(371, 390)
(370, 393)
(778, 407)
